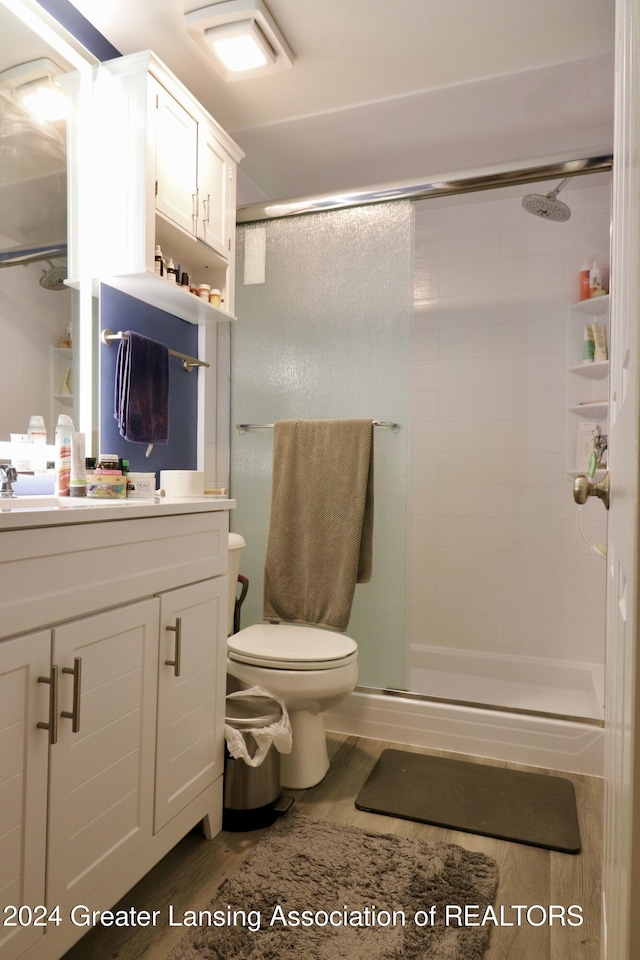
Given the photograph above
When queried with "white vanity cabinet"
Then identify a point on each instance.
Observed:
(191, 687)
(23, 785)
(112, 711)
(159, 170)
(102, 766)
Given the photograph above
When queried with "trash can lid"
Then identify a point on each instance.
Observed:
(243, 713)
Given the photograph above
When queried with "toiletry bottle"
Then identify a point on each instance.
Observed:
(600, 341)
(595, 281)
(585, 283)
(171, 271)
(64, 429)
(588, 344)
(78, 476)
(36, 431)
(158, 264)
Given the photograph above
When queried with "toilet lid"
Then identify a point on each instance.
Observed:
(290, 647)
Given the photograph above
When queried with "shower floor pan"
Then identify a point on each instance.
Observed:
(527, 684)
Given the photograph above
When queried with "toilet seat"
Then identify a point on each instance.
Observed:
(289, 647)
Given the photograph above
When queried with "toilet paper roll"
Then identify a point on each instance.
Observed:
(182, 483)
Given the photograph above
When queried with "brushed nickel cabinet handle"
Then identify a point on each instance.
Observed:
(74, 715)
(177, 629)
(52, 725)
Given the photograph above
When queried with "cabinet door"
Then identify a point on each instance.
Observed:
(101, 774)
(214, 170)
(191, 694)
(176, 162)
(23, 783)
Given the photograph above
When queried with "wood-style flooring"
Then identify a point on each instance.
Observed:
(190, 874)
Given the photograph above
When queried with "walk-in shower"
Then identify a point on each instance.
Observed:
(502, 605)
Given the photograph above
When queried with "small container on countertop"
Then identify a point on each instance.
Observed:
(103, 486)
(141, 486)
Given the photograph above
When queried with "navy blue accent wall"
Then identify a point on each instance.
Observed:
(82, 29)
(118, 311)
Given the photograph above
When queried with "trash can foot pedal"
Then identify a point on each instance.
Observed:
(283, 804)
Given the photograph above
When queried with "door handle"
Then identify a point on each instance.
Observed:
(583, 488)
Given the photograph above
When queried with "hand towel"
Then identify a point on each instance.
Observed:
(321, 526)
(141, 402)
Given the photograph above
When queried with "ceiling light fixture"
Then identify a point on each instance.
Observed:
(240, 37)
(33, 86)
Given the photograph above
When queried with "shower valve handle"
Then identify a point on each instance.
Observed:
(583, 489)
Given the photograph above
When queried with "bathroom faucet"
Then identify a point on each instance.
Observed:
(8, 475)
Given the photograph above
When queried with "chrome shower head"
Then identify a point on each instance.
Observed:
(548, 206)
(54, 277)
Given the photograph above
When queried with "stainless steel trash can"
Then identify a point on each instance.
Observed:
(251, 793)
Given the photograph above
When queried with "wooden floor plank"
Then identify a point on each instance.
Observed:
(190, 874)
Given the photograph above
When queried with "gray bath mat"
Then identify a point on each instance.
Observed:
(531, 808)
(327, 891)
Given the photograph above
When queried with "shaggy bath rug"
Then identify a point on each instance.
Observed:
(325, 892)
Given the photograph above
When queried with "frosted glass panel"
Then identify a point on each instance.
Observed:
(327, 335)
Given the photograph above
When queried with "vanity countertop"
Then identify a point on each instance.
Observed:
(45, 511)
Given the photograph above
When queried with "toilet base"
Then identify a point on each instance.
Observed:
(308, 762)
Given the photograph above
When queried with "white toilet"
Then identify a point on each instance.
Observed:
(310, 668)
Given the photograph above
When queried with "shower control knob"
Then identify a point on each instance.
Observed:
(583, 488)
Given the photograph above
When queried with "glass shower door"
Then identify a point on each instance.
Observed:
(324, 305)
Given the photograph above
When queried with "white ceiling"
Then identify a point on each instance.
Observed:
(395, 90)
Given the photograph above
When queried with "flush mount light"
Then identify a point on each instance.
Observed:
(240, 37)
(32, 85)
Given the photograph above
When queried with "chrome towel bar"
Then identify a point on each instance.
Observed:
(108, 337)
(269, 426)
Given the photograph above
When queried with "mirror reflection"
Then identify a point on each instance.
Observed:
(36, 307)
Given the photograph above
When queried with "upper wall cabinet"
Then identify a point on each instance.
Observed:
(154, 169)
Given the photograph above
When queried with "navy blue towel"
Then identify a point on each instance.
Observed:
(142, 389)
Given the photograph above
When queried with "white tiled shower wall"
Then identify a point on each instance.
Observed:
(497, 563)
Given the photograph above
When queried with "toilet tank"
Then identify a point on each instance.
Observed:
(236, 546)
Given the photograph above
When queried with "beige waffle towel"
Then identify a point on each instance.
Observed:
(321, 530)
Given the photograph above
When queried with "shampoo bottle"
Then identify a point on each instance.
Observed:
(585, 283)
(64, 429)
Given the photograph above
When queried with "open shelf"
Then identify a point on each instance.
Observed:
(597, 370)
(593, 307)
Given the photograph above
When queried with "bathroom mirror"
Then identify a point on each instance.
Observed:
(39, 317)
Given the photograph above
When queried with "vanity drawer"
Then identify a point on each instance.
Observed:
(56, 573)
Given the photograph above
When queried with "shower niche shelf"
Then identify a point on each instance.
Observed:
(587, 384)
